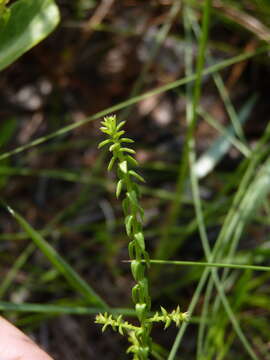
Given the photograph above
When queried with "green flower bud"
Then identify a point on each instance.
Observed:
(143, 352)
(141, 311)
(137, 269)
(135, 293)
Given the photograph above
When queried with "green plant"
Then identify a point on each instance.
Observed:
(224, 302)
(23, 25)
(4, 12)
(139, 336)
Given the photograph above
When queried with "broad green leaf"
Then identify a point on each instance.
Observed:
(30, 21)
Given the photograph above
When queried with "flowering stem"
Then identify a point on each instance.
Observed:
(139, 336)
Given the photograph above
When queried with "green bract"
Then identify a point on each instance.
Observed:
(138, 336)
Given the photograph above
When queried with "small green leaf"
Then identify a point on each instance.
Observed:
(144, 288)
(164, 311)
(104, 327)
(103, 143)
(114, 147)
(119, 133)
(137, 269)
(111, 163)
(167, 323)
(131, 160)
(123, 167)
(120, 125)
(119, 188)
(140, 240)
(127, 140)
(130, 151)
(143, 352)
(141, 311)
(137, 176)
(135, 293)
(128, 222)
(105, 130)
(133, 197)
(121, 331)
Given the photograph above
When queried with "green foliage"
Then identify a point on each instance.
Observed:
(23, 25)
(226, 300)
(4, 13)
(139, 336)
(135, 332)
(165, 317)
(58, 262)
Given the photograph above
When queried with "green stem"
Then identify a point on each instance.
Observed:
(210, 264)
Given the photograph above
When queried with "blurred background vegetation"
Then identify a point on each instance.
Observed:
(105, 53)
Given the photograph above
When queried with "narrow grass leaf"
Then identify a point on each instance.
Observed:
(136, 99)
(212, 156)
(60, 309)
(210, 264)
(59, 263)
(10, 276)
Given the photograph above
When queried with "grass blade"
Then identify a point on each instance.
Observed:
(136, 99)
(59, 263)
(210, 264)
(60, 309)
(211, 157)
(7, 281)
